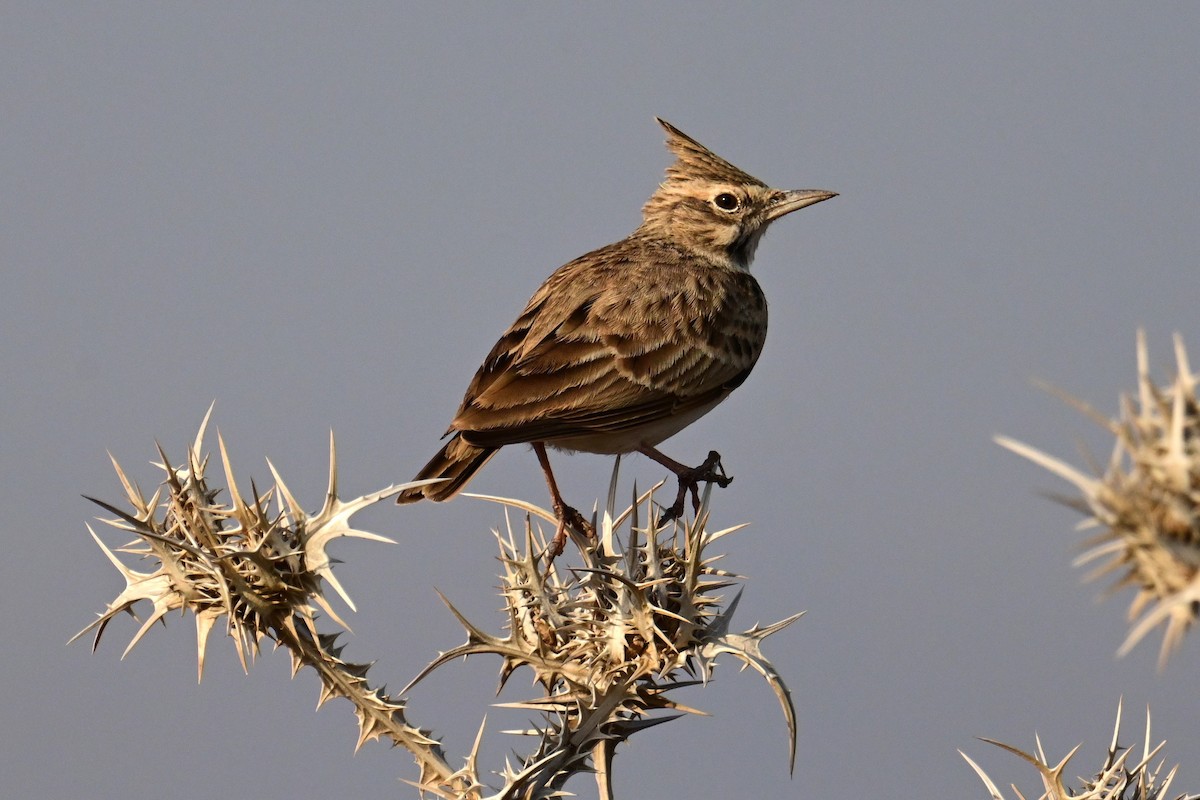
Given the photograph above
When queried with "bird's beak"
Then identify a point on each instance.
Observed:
(786, 202)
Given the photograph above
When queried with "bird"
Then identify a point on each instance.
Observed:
(627, 345)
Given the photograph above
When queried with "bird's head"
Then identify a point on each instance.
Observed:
(712, 208)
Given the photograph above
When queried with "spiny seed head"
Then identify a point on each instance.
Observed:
(713, 209)
(1127, 773)
(1147, 502)
(610, 641)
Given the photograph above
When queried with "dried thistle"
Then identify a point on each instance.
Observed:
(1147, 501)
(259, 571)
(608, 641)
(1117, 778)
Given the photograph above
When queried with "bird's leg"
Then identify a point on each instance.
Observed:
(565, 513)
(690, 478)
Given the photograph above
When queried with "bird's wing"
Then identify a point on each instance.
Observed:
(611, 346)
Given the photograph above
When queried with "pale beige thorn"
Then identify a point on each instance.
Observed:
(1146, 754)
(1164, 790)
(633, 545)
(473, 631)
(1089, 486)
(1084, 407)
(355, 533)
(522, 505)
(1141, 601)
(1143, 369)
(1185, 376)
(240, 647)
(1041, 751)
(116, 562)
(712, 537)
(328, 609)
(1110, 548)
(235, 497)
(150, 505)
(1117, 728)
(1123, 442)
(324, 695)
(204, 624)
(164, 465)
(1177, 627)
(1021, 754)
(159, 613)
(1175, 461)
(366, 731)
(602, 756)
(1165, 610)
(294, 507)
(508, 539)
(641, 500)
(1055, 773)
(134, 494)
(473, 755)
(101, 622)
(607, 529)
(1103, 571)
(327, 573)
(199, 440)
(611, 505)
(983, 776)
(331, 491)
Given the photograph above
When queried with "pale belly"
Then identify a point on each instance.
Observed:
(614, 442)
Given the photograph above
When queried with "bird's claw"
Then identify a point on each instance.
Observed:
(568, 517)
(711, 471)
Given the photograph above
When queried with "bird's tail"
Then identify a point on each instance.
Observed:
(457, 462)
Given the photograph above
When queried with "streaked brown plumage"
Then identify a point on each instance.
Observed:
(629, 344)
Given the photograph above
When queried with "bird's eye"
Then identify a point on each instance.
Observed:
(726, 201)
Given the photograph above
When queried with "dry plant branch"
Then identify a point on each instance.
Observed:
(608, 641)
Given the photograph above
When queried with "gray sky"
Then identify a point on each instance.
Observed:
(323, 219)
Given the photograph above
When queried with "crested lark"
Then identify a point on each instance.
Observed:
(629, 344)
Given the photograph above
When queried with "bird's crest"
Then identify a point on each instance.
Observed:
(694, 161)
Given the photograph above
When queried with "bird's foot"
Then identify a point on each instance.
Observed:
(568, 517)
(711, 471)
